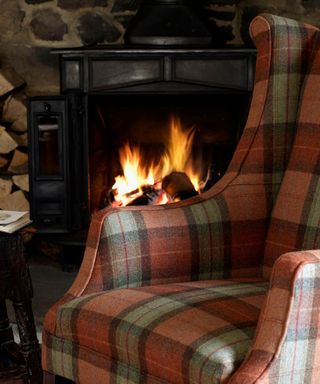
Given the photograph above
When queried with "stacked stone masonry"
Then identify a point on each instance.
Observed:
(30, 28)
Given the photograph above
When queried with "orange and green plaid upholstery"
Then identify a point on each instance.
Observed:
(195, 331)
(286, 347)
(296, 215)
(172, 294)
(287, 343)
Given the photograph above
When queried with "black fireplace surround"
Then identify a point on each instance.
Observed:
(61, 178)
(170, 64)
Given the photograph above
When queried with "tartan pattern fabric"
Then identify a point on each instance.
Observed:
(195, 332)
(220, 234)
(286, 348)
(155, 260)
(295, 219)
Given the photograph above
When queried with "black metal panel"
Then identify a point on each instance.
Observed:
(123, 71)
(169, 22)
(221, 72)
(72, 74)
(108, 70)
(49, 163)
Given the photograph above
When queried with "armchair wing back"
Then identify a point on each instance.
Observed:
(295, 218)
(286, 348)
(175, 294)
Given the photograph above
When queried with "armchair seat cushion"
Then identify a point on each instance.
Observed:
(197, 332)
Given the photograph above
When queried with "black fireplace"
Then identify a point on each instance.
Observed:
(114, 94)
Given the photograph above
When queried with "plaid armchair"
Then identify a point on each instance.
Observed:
(220, 288)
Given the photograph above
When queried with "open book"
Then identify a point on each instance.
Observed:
(11, 221)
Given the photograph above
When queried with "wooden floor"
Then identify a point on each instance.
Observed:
(11, 381)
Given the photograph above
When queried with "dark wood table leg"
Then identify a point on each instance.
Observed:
(16, 286)
(11, 362)
(29, 345)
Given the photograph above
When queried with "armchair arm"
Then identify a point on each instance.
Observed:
(134, 246)
(214, 235)
(287, 342)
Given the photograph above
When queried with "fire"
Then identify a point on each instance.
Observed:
(178, 153)
(137, 175)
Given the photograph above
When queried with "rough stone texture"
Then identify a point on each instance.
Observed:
(36, 1)
(29, 29)
(11, 18)
(94, 29)
(76, 4)
(48, 25)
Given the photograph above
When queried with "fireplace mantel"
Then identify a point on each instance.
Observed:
(123, 70)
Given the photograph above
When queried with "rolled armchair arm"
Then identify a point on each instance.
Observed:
(287, 341)
(210, 236)
(135, 246)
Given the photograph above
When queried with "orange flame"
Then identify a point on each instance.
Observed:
(178, 153)
(135, 174)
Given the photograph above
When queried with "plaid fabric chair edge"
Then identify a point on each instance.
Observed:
(288, 324)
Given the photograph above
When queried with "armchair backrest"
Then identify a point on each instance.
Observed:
(283, 53)
(295, 222)
(250, 187)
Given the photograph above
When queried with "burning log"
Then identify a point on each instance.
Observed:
(178, 186)
(147, 195)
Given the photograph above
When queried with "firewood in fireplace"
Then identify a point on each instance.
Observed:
(146, 196)
(140, 200)
(178, 186)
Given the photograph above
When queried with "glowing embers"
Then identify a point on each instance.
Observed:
(171, 178)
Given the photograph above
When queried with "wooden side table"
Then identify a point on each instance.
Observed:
(21, 360)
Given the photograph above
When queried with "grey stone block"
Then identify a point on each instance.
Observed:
(48, 25)
(93, 29)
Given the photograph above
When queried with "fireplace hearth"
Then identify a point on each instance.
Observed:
(110, 95)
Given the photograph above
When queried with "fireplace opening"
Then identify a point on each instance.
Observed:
(144, 121)
(116, 95)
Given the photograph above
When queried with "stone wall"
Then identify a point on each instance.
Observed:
(30, 28)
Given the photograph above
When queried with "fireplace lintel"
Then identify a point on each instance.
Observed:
(114, 70)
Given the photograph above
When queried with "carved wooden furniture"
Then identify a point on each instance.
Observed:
(15, 285)
(223, 287)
